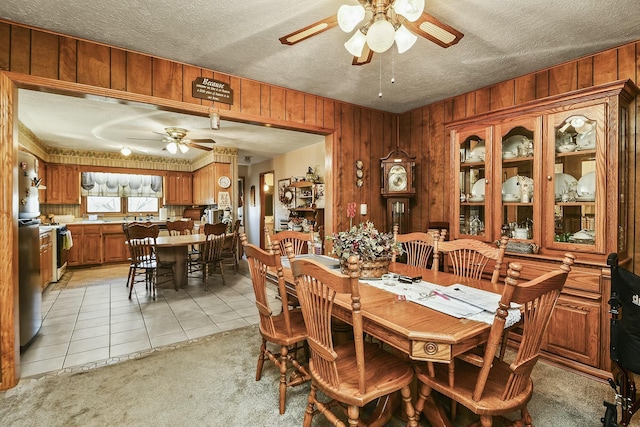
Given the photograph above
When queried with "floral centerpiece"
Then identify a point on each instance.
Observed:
(373, 248)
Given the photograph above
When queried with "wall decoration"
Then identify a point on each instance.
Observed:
(285, 192)
(252, 196)
(359, 173)
(224, 200)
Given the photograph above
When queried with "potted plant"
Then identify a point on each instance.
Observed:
(373, 248)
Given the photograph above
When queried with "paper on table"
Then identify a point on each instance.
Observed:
(478, 297)
(482, 307)
(429, 295)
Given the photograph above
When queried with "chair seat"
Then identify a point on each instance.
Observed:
(384, 375)
(298, 329)
(465, 382)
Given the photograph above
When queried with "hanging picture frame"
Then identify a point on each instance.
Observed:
(252, 196)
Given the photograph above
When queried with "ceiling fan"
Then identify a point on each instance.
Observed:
(380, 23)
(175, 138)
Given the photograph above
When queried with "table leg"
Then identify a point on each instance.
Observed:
(178, 254)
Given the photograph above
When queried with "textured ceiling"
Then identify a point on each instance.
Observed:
(502, 39)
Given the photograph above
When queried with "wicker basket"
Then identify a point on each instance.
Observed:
(369, 269)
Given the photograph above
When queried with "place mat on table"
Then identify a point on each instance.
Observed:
(456, 300)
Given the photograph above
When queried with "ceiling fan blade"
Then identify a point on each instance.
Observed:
(145, 139)
(431, 28)
(310, 30)
(209, 140)
(201, 147)
(365, 58)
(160, 133)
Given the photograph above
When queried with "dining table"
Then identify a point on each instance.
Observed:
(421, 333)
(176, 249)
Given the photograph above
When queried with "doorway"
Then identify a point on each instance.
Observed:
(267, 206)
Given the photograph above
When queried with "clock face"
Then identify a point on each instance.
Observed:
(224, 182)
(397, 178)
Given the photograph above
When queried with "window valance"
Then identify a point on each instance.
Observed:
(120, 185)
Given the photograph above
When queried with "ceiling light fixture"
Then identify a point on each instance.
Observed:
(383, 26)
(183, 147)
(126, 151)
(172, 147)
(214, 118)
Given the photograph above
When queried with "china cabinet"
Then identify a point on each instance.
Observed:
(552, 175)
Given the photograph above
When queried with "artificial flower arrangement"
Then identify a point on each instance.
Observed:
(365, 241)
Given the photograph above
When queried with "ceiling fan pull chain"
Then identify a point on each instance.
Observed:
(393, 66)
(380, 92)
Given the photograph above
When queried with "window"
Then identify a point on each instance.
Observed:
(104, 204)
(142, 204)
(120, 193)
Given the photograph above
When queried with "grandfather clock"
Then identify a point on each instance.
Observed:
(397, 185)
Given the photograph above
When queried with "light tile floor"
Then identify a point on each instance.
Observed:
(98, 322)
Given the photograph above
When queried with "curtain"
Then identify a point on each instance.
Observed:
(120, 185)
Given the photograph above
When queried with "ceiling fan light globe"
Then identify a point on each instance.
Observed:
(410, 9)
(350, 16)
(380, 36)
(404, 39)
(355, 44)
(183, 148)
(172, 147)
(126, 151)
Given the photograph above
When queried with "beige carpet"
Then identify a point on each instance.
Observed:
(211, 382)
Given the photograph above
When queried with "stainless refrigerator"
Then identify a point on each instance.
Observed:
(29, 291)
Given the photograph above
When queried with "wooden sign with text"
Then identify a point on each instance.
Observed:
(213, 90)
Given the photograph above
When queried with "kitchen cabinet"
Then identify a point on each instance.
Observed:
(178, 188)
(63, 184)
(206, 187)
(46, 259)
(114, 246)
(87, 245)
(203, 185)
(553, 175)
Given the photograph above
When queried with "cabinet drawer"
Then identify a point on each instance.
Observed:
(112, 229)
(581, 278)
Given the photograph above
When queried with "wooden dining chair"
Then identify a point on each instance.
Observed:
(279, 325)
(302, 242)
(217, 228)
(229, 256)
(489, 386)
(145, 259)
(210, 257)
(353, 373)
(182, 227)
(418, 247)
(470, 257)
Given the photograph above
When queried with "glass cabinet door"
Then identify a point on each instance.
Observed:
(576, 173)
(520, 145)
(472, 189)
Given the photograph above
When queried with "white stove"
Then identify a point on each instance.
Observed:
(60, 254)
